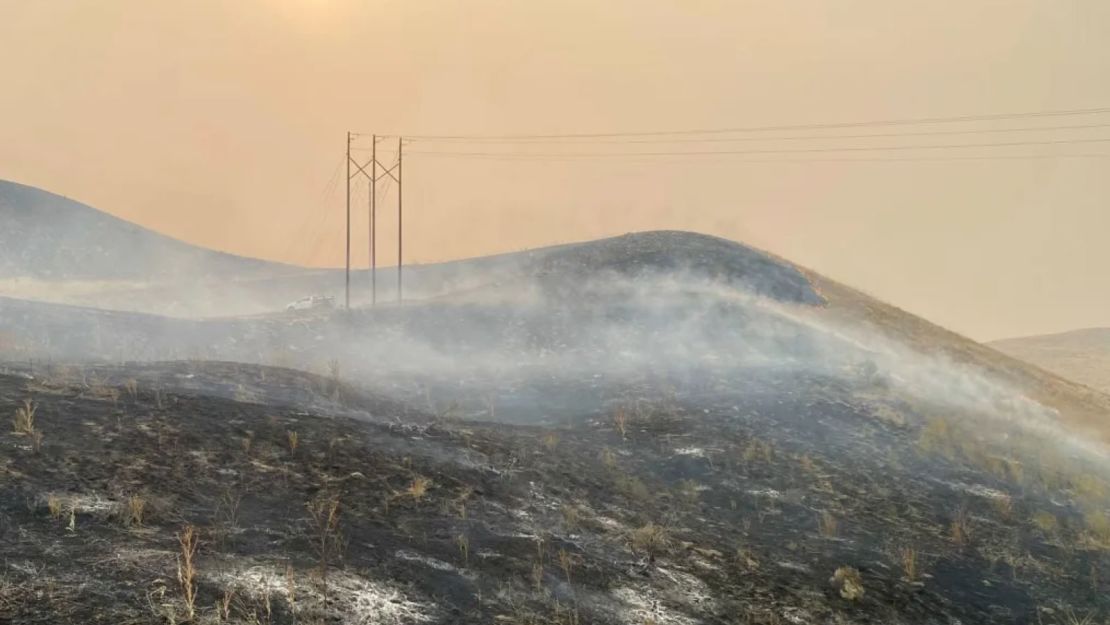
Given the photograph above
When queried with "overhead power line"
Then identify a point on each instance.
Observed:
(718, 139)
(769, 128)
(862, 159)
(527, 155)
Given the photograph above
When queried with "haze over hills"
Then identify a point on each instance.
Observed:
(658, 427)
(50, 237)
(1080, 355)
(126, 268)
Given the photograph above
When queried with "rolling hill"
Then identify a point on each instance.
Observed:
(662, 427)
(1079, 355)
(53, 238)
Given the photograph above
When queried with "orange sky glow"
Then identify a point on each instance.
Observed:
(222, 123)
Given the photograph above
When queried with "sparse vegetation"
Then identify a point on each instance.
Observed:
(136, 510)
(23, 422)
(620, 421)
(327, 541)
(566, 563)
(1046, 521)
(959, 530)
(848, 582)
(714, 484)
(1004, 505)
(418, 488)
(462, 541)
(572, 516)
(827, 524)
(54, 506)
(650, 539)
(188, 540)
(907, 558)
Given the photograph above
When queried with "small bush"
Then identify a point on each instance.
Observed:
(827, 524)
(1046, 521)
(907, 557)
(849, 582)
(651, 539)
(960, 528)
(136, 509)
(24, 420)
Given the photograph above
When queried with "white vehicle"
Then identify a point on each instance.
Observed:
(311, 302)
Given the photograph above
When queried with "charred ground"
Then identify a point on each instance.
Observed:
(733, 500)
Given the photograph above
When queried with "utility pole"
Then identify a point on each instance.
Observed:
(376, 172)
(373, 220)
(400, 144)
(347, 300)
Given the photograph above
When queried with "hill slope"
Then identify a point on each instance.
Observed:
(662, 427)
(1079, 355)
(49, 237)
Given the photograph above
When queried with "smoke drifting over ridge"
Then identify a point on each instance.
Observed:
(686, 310)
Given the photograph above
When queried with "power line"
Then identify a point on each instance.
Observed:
(322, 215)
(998, 157)
(927, 133)
(525, 156)
(739, 129)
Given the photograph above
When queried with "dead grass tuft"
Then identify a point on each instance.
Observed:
(136, 510)
(907, 558)
(827, 524)
(1046, 521)
(54, 505)
(188, 541)
(418, 488)
(959, 530)
(572, 516)
(23, 422)
(849, 582)
(651, 539)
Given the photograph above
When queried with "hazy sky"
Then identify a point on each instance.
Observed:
(222, 123)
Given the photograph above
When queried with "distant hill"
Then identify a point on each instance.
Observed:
(49, 237)
(1079, 355)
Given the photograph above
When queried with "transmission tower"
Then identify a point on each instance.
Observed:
(377, 171)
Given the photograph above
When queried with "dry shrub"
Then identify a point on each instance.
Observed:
(186, 568)
(418, 488)
(572, 516)
(294, 440)
(1098, 528)
(1046, 521)
(758, 450)
(1004, 505)
(848, 581)
(960, 528)
(463, 543)
(907, 557)
(620, 421)
(551, 441)
(537, 575)
(23, 422)
(54, 505)
(651, 539)
(323, 513)
(136, 510)
(827, 524)
(566, 562)
(634, 489)
(608, 458)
